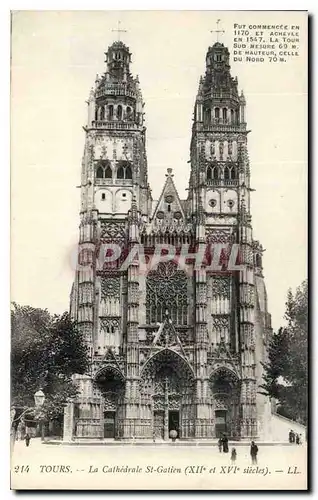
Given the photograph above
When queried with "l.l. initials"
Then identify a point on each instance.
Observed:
(292, 470)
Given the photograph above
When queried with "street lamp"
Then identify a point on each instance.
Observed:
(39, 398)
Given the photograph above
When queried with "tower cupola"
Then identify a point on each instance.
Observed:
(218, 57)
(118, 59)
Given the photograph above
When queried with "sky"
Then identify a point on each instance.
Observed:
(55, 58)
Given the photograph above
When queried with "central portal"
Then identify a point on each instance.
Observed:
(220, 423)
(163, 425)
(174, 421)
(109, 424)
(167, 386)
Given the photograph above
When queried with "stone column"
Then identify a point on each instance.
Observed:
(68, 427)
(246, 291)
(132, 392)
(202, 403)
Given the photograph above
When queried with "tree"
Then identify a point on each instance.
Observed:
(286, 373)
(297, 370)
(46, 351)
(275, 368)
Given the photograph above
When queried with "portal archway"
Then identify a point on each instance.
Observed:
(111, 384)
(225, 392)
(167, 390)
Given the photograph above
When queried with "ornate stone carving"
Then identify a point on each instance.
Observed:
(103, 153)
(218, 235)
(110, 287)
(221, 150)
(220, 322)
(221, 286)
(110, 401)
(166, 290)
(109, 324)
(112, 230)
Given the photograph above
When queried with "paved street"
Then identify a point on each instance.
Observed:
(151, 467)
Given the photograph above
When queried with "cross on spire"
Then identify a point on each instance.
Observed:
(217, 31)
(118, 31)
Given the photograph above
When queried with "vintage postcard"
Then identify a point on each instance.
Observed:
(159, 250)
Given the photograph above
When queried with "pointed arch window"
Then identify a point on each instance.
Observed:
(128, 173)
(212, 173)
(121, 173)
(110, 112)
(103, 170)
(209, 173)
(215, 173)
(119, 111)
(208, 116)
(224, 114)
(227, 173)
(129, 113)
(100, 173)
(166, 290)
(102, 113)
(217, 113)
(124, 170)
(108, 172)
(258, 261)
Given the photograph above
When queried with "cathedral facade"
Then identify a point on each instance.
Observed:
(176, 335)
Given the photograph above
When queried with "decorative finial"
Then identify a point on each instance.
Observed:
(217, 31)
(200, 213)
(118, 31)
(169, 172)
(242, 97)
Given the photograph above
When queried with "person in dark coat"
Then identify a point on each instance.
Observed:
(254, 451)
(220, 444)
(225, 443)
(297, 439)
(233, 455)
(27, 439)
(291, 436)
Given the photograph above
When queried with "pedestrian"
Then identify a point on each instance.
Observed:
(290, 436)
(300, 439)
(254, 451)
(233, 455)
(297, 439)
(220, 444)
(225, 442)
(27, 439)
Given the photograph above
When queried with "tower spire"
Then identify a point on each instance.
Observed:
(217, 31)
(119, 31)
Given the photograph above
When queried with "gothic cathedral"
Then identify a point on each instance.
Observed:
(172, 349)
